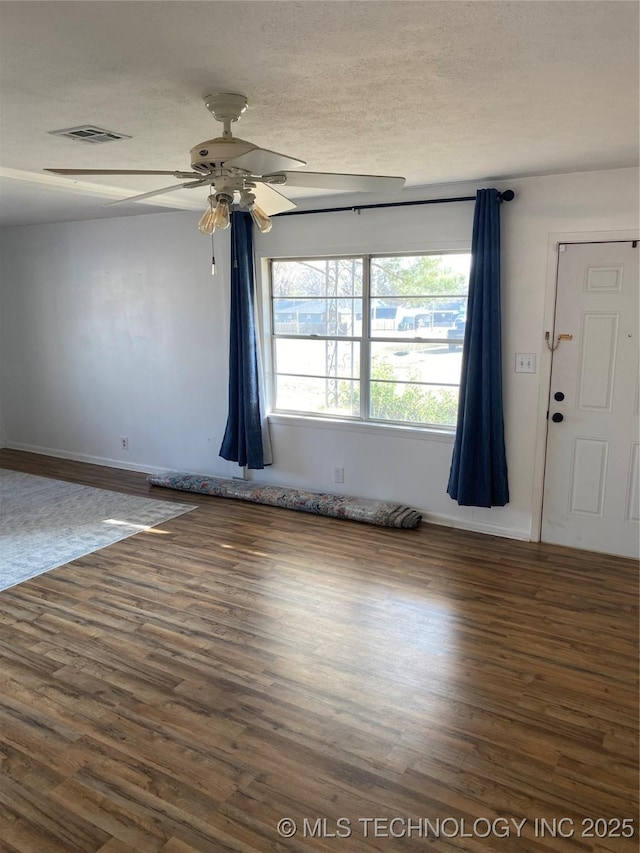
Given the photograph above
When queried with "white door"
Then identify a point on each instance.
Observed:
(591, 488)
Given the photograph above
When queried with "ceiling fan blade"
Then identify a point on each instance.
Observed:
(334, 181)
(156, 192)
(270, 200)
(261, 160)
(120, 172)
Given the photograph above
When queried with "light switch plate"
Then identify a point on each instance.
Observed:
(525, 362)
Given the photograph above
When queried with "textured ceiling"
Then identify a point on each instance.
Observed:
(436, 91)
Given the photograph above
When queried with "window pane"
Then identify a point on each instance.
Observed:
(415, 382)
(318, 358)
(421, 275)
(339, 317)
(421, 316)
(338, 277)
(338, 397)
(424, 404)
(434, 363)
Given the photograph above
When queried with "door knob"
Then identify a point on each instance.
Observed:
(557, 418)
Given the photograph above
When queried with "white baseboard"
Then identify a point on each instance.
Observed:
(85, 457)
(476, 526)
(140, 467)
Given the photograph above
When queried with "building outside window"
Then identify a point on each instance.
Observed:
(369, 338)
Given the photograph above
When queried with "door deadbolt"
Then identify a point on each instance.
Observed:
(559, 396)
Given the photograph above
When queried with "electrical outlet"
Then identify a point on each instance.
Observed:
(338, 475)
(525, 362)
(124, 443)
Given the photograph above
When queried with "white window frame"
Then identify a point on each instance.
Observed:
(363, 419)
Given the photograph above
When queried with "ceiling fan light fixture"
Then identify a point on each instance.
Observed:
(207, 224)
(222, 215)
(260, 218)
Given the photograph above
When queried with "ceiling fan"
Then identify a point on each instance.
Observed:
(241, 172)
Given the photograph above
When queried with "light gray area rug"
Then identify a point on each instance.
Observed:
(46, 523)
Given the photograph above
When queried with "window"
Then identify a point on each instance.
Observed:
(370, 338)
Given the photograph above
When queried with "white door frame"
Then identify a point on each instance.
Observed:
(545, 357)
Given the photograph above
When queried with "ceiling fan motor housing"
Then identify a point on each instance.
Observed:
(211, 154)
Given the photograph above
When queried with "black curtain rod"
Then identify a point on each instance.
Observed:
(507, 195)
(634, 243)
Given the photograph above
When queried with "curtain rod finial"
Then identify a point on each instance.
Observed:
(507, 195)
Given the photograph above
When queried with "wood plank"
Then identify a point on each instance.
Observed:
(184, 690)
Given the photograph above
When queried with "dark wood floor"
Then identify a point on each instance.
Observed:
(189, 687)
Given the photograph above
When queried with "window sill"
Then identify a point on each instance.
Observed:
(391, 430)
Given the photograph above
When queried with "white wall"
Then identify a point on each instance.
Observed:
(115, 327)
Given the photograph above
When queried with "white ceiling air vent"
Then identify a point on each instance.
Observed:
(89, 133)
